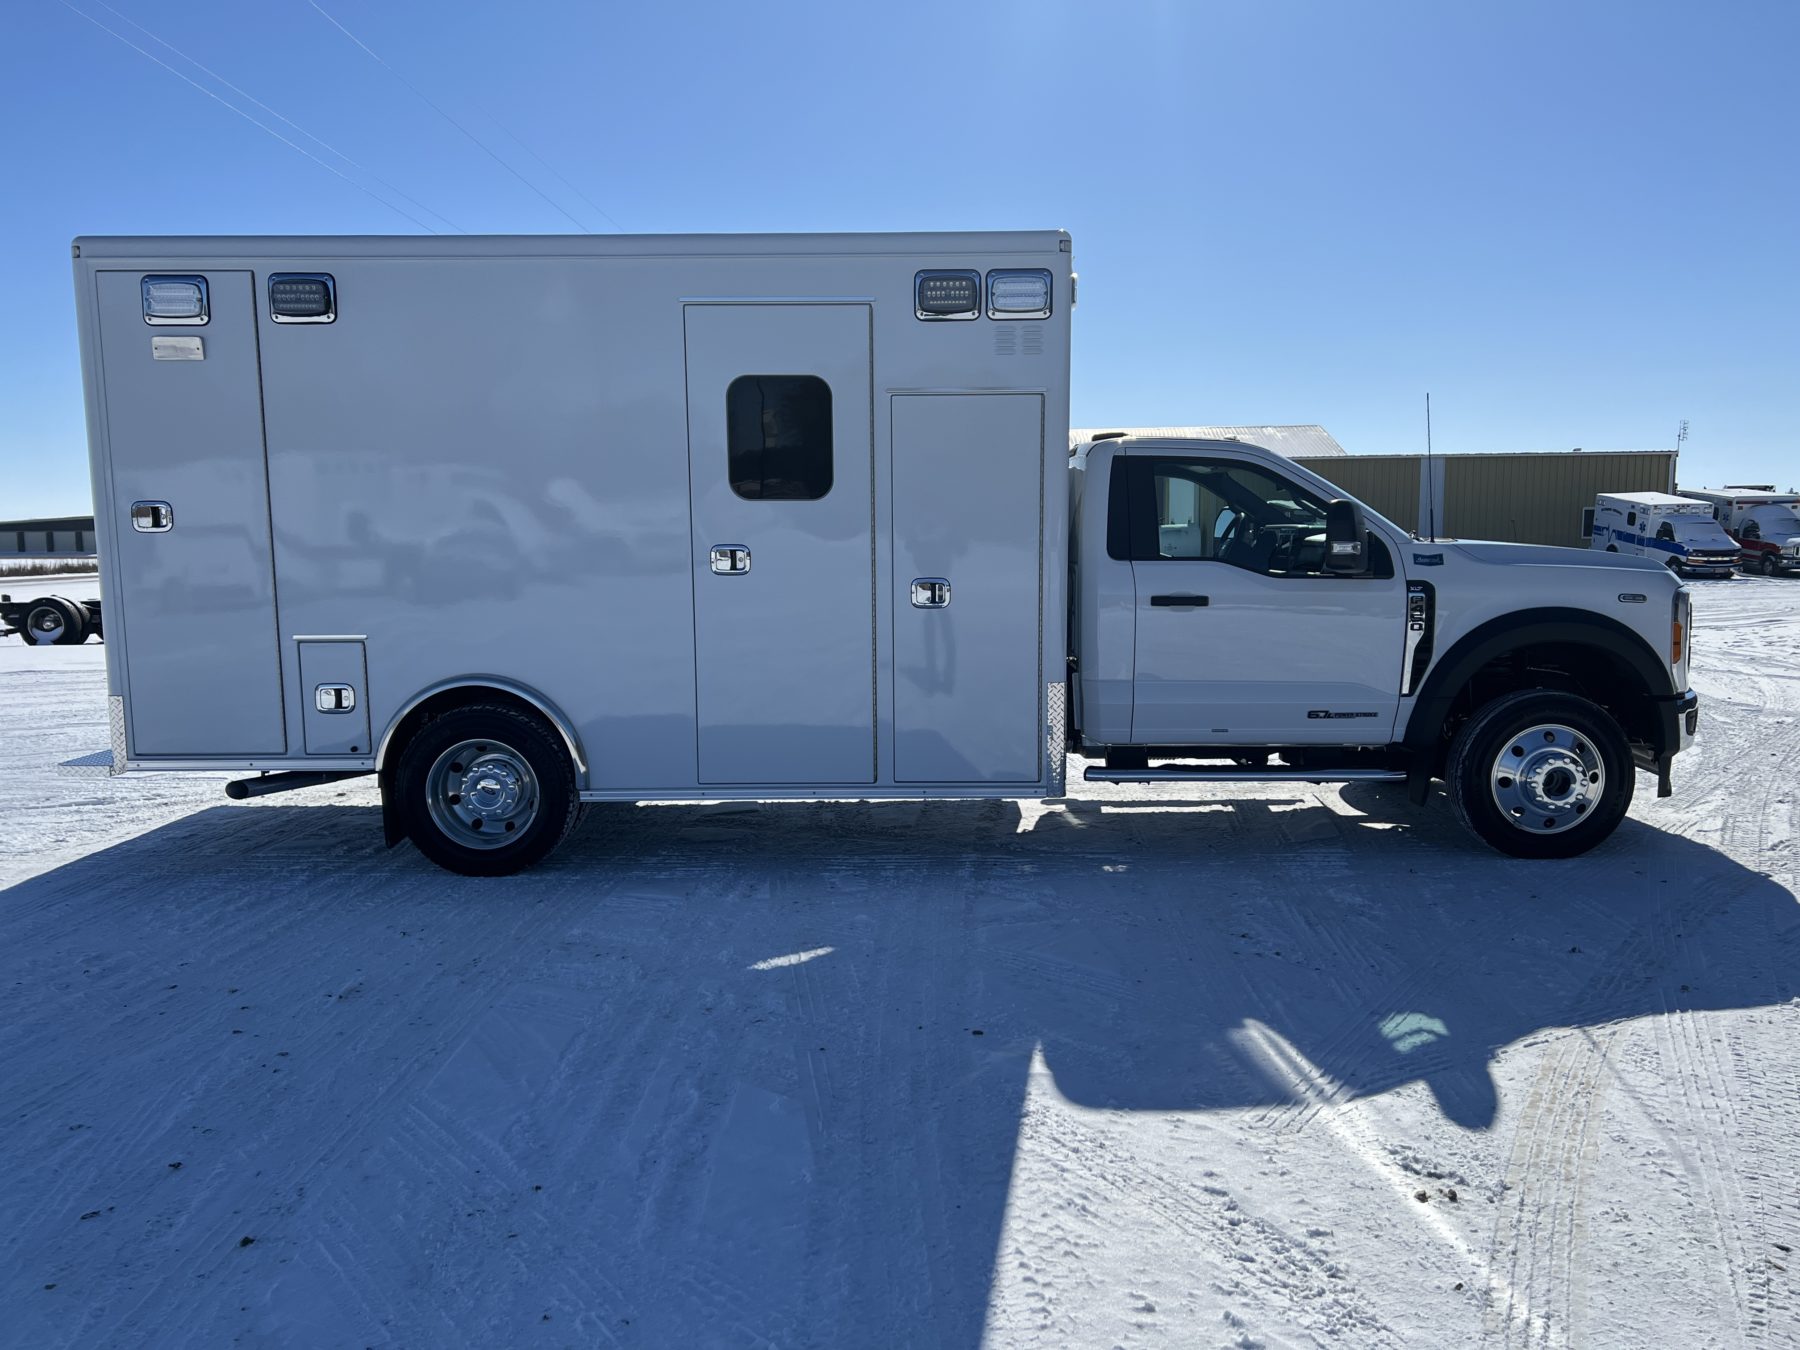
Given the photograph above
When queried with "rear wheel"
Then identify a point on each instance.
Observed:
(1540, 774)
(486, 790)
(56, 620)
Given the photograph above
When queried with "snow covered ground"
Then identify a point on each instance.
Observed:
(1161, 1068)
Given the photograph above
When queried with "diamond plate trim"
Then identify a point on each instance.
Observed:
(115, 716)
(96, 765)
(1056, 735)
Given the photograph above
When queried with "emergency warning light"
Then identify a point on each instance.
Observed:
(1020, 294)
(947, 295)
(302, 297)
(175, 300)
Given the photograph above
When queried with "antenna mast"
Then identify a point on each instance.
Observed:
(1430, 476)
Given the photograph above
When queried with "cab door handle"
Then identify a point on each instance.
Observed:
(1180, 601)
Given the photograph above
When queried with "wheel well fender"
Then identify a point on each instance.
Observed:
(1571, 631)
(456, 693)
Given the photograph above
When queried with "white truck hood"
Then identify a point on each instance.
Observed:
(1544, 555)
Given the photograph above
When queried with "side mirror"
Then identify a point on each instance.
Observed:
(1346, 539)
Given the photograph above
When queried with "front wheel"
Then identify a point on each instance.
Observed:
(1540, 774)
(1768, 565)
(486, 790)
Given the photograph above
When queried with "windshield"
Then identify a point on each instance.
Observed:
(1772, 522)
(1700, 531)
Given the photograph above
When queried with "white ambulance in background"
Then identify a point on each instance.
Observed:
(1676, 531)
(1765, 523)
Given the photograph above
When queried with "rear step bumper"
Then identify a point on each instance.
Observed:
(1251, 775)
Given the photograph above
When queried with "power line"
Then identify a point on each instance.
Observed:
(317, 140)
(600, 210)
(329, 168)
(436, 107)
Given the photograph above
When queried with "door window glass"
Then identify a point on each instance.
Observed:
(778, 437)
(1224, 511)
(1666, 531)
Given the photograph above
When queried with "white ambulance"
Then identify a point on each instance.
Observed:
(1678, 532)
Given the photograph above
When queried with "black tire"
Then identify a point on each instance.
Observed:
(55, 621)
(1768, 565)
(1474, 774)
(1612, 548)
(512, 739)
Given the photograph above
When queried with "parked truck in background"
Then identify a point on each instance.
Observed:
(520, 523)
(48, 620)
(1764, 523)
(1678, 532)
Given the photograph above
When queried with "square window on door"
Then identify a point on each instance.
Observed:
(778, 437)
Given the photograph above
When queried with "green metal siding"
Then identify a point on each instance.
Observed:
(1538, 499)
(1521, 498)
(1386, 483)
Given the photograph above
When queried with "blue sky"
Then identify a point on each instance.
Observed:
(1575, 224)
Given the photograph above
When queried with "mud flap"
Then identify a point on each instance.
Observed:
(1663, 786)
(1418, 785)
(393, 829)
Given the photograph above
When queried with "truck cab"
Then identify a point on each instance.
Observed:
(1678, 532)
(1236, 616)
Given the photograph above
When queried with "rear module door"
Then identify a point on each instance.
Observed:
(968, 525)
(190, 503)
(782, 495)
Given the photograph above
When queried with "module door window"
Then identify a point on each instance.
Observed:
(778, 437)
(1241, 636)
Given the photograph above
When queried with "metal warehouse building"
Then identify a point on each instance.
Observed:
(1534, 497)
(54, 537)
(1527, 498)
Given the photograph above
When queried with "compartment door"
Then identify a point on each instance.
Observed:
(781, 491)
(968, 528)
(196, 603)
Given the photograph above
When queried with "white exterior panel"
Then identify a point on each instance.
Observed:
(968, 511)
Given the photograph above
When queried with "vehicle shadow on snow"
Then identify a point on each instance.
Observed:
(768, 1063)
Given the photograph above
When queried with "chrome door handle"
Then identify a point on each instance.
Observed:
(730, 560)
(152, 517)
(930, 593)
(334, 698)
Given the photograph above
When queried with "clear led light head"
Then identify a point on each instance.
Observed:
(1021, 294)
(179, 300)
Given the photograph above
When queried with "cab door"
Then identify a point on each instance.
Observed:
(1242, 637)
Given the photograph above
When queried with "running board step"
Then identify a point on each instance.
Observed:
(1252, 775)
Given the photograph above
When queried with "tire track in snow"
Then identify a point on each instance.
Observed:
(1539, 1232)
(1539, 1228)
(1248, 1257)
